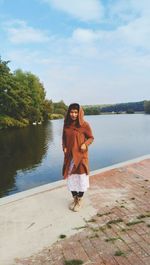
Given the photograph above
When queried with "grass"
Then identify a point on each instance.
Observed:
(102, 214)
(141, 216)
(73, 262)
(62, 236)
(115, 221)
(119, 253)
(112, 239)
(135, 222)
(109, 226)
(101, 228)
(80, 227)
(125, 229)
(94, 236)
(91, 220)
(95, 229)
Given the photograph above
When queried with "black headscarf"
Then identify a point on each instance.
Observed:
(74, 106)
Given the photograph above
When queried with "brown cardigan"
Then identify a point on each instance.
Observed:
(73, 137)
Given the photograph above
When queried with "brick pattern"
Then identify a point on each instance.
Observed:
(120, 232)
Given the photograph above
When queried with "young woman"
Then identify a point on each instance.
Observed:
(77, 136)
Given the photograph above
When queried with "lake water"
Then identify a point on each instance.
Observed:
(33, 156)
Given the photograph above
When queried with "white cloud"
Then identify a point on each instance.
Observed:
(112, 64)
(125, 11)
(133, 37)
(19, 32)
(84, 35)
(137, 32)
(85, 10)
(122, 11)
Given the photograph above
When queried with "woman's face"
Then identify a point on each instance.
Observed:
(74, 114)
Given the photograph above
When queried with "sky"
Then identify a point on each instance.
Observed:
(85, 51)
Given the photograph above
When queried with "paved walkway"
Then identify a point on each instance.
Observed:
(117, 232)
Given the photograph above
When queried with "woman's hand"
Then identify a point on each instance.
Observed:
(83, 147)
(65, 150)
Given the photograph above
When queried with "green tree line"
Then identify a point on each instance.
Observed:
(147, 106)
(130, 107)
(92, 110)
(23, 99)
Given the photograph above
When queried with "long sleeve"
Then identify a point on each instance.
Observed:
(63, 139)
(89, 135)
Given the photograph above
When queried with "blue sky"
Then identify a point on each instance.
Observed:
(88, 51)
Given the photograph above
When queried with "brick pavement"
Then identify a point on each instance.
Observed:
(119, 234)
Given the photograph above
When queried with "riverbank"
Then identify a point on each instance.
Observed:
(7, 122)
(33, 221)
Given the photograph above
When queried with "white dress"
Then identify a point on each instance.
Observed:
(77, 182)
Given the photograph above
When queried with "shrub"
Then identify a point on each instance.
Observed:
(55, 116)
(9, 122)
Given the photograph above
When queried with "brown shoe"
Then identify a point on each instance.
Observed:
(78, 204)
(72, 205)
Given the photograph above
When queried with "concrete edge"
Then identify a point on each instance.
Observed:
(62, 183)
(121, 164)
(31, 192)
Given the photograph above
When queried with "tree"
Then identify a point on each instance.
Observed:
(48, 108)
(147, 106)
(60, 107)
(12, 96)
(130, 111)
(92, 110)
(35, 94)
(22, 99)
(123, 107)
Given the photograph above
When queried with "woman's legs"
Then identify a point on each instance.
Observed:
(76, 204)
(74, 193)
(77, 185)
(79, 194)
(72, 205)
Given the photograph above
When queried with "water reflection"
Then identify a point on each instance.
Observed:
(33, 156)
(21, 149)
